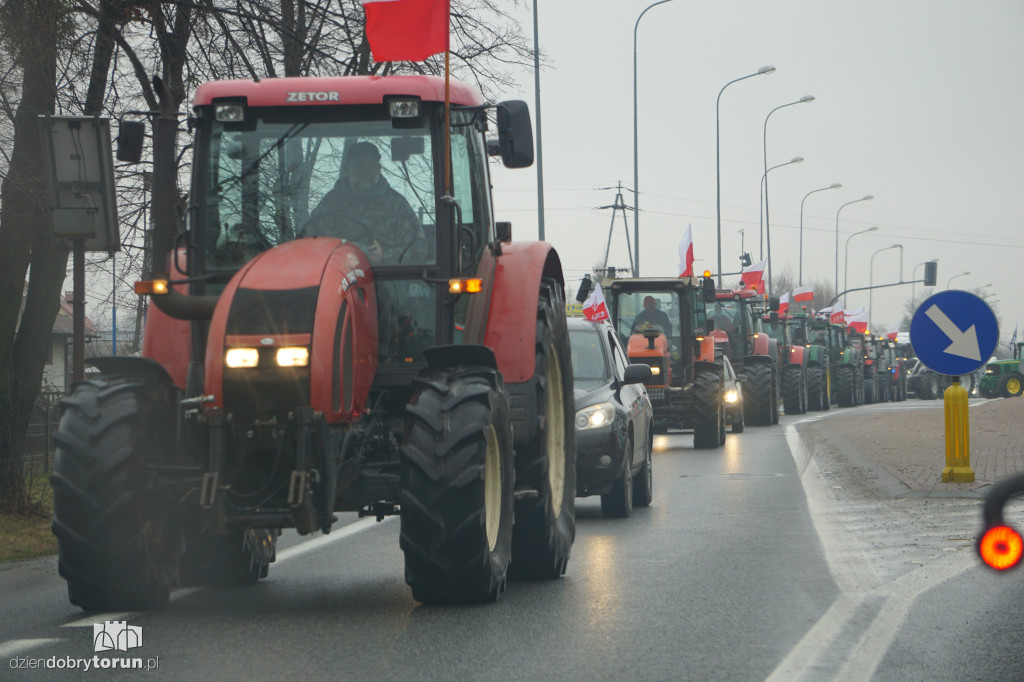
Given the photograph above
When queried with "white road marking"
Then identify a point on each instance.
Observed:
(334, 536)
(98, 618)
(858, 581)
(14, 647)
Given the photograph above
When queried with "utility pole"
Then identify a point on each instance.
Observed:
(619, 205)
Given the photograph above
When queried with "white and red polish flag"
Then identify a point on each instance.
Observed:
(595, 308)
(803, 294)
(893, 331)
(784, 303)
(752, 276)
(686, 253)
(406, 30)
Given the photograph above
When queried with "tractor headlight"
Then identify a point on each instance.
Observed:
(297, 356)
(237, 358)
(594, 416)
(732, 396)
(990, 370)
(655, 371)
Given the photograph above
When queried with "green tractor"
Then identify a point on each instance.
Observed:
(1003, 378)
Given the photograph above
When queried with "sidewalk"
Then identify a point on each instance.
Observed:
(911, 443)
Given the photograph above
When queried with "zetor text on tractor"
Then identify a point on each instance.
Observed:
(304, 362)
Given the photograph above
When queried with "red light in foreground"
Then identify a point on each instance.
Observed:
(1001, 547)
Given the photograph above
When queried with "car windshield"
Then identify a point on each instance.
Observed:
(590, 366)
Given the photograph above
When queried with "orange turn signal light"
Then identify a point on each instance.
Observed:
(1001, 547)
(707, 273)
(465, 286)
(152, 287)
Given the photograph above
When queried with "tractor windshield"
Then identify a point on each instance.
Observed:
(362, 181)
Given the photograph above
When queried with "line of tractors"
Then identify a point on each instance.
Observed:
(791, 361)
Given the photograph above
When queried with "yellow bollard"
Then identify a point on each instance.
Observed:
(958, 438)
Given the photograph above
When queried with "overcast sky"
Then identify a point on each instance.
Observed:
(918, 103)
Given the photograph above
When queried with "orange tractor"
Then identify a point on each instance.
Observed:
(302, 361)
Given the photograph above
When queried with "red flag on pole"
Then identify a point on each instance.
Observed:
(406, 30)
(595, 308)
(752, 276)
(686, 253)
(858, 319)
(784, 303)
(893, 331)
(803, 294)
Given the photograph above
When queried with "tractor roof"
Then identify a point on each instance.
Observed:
(273, 92)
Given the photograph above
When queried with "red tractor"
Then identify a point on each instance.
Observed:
(736, 324)
(422, 372)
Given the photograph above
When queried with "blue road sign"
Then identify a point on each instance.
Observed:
(954, 332)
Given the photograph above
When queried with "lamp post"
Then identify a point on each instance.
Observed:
(636, 180)
(866, 197)
(718, 172)
(768, 235)
(871, 275)
(800, 277)
(846, 257)
(913, 280)
(764, 147)
(955, 276)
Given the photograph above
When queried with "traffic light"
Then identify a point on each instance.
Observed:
(931, 273)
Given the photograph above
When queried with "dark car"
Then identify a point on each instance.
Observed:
(613, 420)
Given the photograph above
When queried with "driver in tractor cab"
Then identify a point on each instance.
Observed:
(651, 317)
(365, 209)
(722, 320)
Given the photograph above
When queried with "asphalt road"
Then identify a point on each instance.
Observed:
(768, 559)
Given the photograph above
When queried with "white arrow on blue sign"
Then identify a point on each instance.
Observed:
(954, 332)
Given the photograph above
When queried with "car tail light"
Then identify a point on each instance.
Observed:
(1001, 547)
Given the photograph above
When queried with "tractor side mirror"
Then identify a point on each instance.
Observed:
(503, 230)
(130, 136)
(773, 303)
(515, 134)
(708, 286)
(586, 286)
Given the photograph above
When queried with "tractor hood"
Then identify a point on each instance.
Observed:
(315, 297)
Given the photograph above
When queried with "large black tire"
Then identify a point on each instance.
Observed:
(816, 389)
(707, 409)
(618, 502)
(119, 542)
(1010, 385)
(643, 482)
(927, 386)
(758, 394)
(776, 392)
(229, 560)
(546, 524)
(456, 487)
(846, 388)
(793, 398)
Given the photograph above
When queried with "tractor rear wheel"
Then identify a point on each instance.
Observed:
(707, 409)
(816, 398)
(793, 390)
(643, 482)
(229, 560)
(846, 386)
(758, 395)
(1010, 385)
(119, 542)
(546, 524)
(456, 488)
(618, 502)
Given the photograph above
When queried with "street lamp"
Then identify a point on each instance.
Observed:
(866, 197)
(636, 181)
(913, 280)
(764, 145)
(800, 277)
(955, 276)
(718, 173)
(768, 236)
(846, 257)
(871, 276)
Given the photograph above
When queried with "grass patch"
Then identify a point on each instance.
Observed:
(27, 536)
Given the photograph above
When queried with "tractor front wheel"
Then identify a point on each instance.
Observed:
(456, 488)
(758, 394)
(119, 541)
